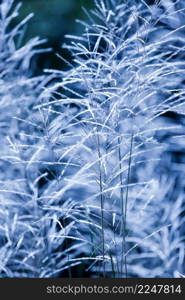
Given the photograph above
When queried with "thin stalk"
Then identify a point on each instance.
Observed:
(123, 223)
(101, 203)
(112, 264)
(117, 262)
(127, 193)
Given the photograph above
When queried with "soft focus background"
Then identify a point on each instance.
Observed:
(52, 20)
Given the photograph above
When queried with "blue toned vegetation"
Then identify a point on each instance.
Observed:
(92, 156)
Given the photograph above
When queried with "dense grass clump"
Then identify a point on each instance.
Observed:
(92, 157)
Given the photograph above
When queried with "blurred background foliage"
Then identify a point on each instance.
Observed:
(52, 20)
